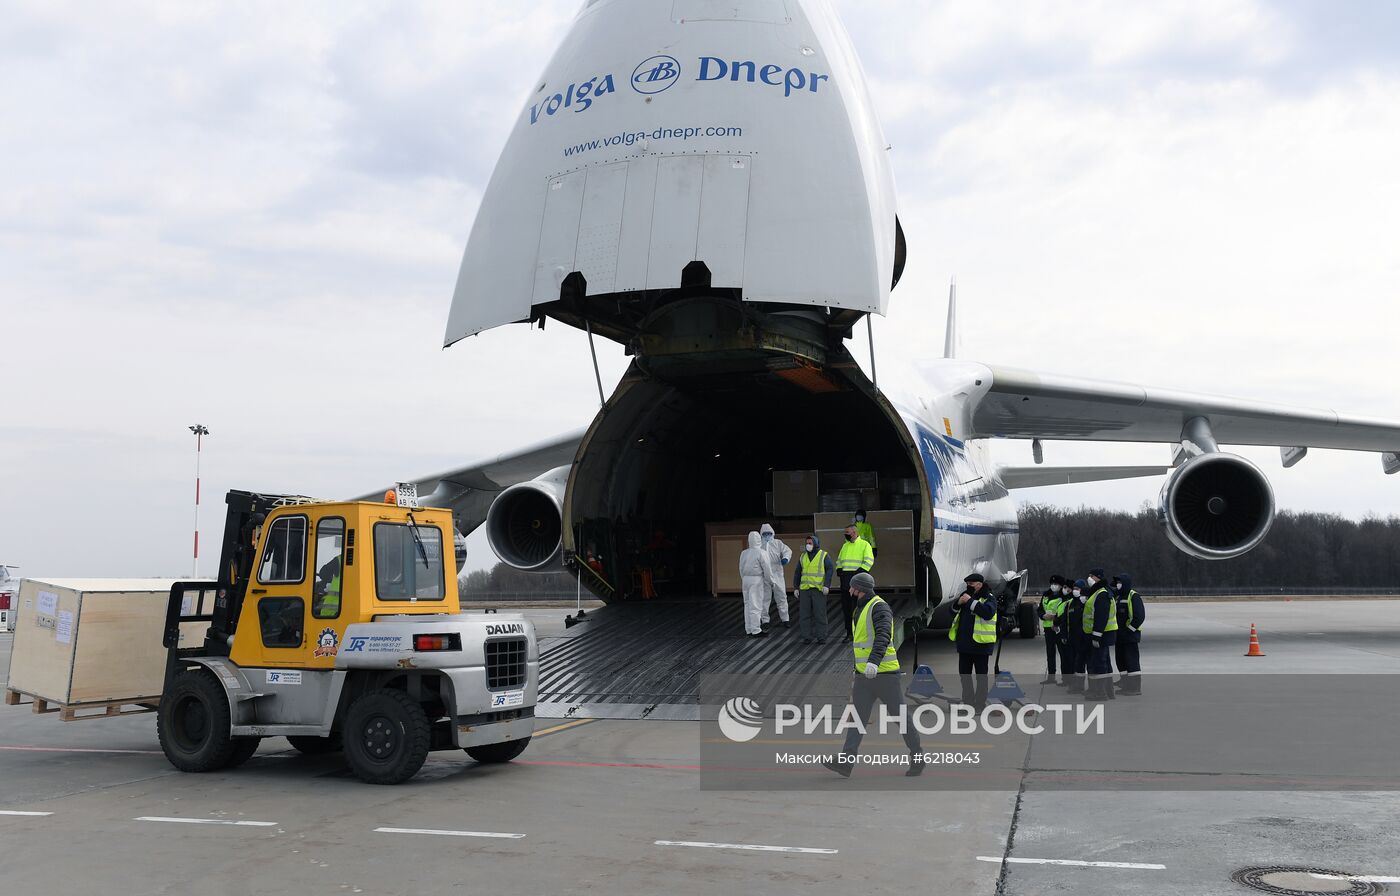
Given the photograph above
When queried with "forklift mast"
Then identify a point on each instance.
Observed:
(246, 512)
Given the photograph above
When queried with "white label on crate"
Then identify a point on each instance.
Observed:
(283, 676)
(510, 698)
(63, 634)
(48, 603)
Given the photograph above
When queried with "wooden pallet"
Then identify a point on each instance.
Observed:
(77, 712)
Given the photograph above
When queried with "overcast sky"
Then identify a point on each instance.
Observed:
(251, 215)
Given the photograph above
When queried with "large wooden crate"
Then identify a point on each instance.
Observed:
(90, 643)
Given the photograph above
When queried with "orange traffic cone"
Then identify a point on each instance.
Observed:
(1254, 649)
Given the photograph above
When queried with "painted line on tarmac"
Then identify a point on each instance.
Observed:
(18, 749)
(24, 814)
(222, 821)
(564, 764)
(492, 834)
(1141, 866)
(564, 727)
(753, 847)
(1359, 878)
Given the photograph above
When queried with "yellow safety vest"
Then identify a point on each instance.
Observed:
(1051, 605)
(866, 531)
(813, 571)
(855, 555)
(864, 640)
(330, 604)
(1112, 624)
(984, 631)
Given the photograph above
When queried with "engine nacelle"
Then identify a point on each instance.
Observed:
(525, 523)
(1217, 506)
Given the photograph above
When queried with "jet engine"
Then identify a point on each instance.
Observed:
(1217, 506)
(525, 523)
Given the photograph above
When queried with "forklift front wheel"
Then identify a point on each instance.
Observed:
(387, 736)
(193, 723)
(501, 752)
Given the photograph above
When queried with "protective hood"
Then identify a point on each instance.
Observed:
(754, 541)
(1127, 581)
(766, 529)
(816, 545)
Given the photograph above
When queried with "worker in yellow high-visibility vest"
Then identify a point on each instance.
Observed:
(877, 676)
(855, 556)
(811, 582)
(974, 632)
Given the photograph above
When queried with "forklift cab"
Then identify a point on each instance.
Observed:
(323, 566)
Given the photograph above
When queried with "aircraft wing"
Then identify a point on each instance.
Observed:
(1035, 477)
(1021, 404)
(468, 491)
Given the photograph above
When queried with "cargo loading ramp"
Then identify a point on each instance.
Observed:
(645, 659)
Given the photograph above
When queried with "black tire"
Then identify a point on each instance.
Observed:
(317, 746)
(192, 723)
(1026, 621)
(243, 750)
(501, 752)
(387, 736)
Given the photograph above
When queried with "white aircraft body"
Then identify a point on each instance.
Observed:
(705, 182)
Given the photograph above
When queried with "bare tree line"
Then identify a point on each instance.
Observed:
(1302, 550)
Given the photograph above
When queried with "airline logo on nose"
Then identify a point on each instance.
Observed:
(656, 74)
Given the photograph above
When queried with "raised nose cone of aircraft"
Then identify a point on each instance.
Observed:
(729, 147)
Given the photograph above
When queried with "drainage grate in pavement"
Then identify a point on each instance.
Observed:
(1292, 880)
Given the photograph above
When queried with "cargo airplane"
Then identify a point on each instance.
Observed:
(706, 183)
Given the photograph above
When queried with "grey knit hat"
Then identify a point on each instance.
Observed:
(864, 581)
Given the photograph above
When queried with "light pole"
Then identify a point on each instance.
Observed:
(200, 431)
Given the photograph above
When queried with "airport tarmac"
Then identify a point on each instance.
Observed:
(617, 806)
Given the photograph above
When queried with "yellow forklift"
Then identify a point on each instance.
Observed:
(337, 625)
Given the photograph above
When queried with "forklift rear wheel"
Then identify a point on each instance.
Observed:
(1026, 620)
(193, 723)
(502, 752)
(387, 736)
(243, 750)
(317, 746)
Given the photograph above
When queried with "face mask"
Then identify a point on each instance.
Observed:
(1076, 592)
(860, 517)
(1118, 587)
(1054, 589)
(767, 538)
(1093, 581)
(850, 537)
(810, 547)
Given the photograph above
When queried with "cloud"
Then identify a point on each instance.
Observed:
(251, 216)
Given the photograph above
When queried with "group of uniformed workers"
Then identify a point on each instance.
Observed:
(1083, 621)
(761, 576)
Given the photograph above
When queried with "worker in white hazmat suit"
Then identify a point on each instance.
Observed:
(779, 556)
(754, 576)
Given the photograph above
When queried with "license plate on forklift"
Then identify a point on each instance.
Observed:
(510, 698)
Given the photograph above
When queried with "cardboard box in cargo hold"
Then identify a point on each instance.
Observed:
(92, 640)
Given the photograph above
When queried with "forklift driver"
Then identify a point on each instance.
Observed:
(326, 603)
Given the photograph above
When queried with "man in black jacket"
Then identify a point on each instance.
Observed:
(1131, 615)
(1075, 642)
(974, 632)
